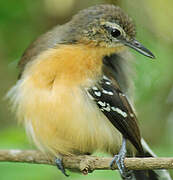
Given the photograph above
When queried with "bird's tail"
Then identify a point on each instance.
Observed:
(150, 174)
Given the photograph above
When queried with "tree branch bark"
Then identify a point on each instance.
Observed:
(84, 164)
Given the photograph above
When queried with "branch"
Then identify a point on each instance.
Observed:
(84, 164)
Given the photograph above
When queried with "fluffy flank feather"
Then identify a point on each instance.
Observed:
(48, 101)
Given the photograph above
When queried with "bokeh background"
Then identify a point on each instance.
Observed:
(21, 21)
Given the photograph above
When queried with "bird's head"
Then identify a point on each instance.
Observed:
(106, 26)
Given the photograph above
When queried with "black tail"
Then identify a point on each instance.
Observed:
(146, 175)
(150, 174)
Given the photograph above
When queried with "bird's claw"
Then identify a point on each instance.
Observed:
(60, 166)
(119, 160)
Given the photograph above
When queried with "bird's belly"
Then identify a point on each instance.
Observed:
(65, 121)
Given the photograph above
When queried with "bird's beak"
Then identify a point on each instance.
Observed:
(139, 47)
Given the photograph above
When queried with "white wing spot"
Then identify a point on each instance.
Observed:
(102, 103)
(104, 77)
(121, 94)
(97, 93)
(119, 111)
(111, 93)
(131, 115)
(108, 92)
(108, 83)
(94, 88)
(107, 108)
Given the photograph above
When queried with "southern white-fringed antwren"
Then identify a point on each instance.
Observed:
(73, 89)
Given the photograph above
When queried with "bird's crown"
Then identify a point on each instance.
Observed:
(107, 26)
(100, 23)
(109, 15)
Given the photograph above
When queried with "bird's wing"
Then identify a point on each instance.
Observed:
(115, 106)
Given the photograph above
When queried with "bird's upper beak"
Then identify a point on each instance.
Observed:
(139, 47)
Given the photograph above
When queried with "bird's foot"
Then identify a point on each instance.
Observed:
(59, 164)
(119, 160)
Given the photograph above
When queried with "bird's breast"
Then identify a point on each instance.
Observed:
(64, 120)
(56, 109)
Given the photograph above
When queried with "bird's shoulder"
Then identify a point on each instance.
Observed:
(45, 41)
(120, 67)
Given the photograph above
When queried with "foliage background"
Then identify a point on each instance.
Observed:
(21, 21)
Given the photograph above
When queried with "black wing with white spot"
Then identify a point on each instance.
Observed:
(114, 104)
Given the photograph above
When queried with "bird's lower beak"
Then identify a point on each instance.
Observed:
(139, 47)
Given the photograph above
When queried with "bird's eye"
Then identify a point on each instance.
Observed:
(115, 33)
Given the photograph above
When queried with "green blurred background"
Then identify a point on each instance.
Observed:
(21, 21)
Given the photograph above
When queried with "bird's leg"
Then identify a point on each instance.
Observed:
(119, 160)
(59, 164)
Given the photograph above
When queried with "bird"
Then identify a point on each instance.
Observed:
(74, 90)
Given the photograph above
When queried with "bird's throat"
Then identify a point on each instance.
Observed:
(68, 64)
